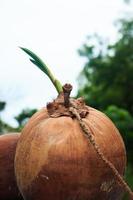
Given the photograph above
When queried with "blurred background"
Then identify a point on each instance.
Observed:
(86, 43)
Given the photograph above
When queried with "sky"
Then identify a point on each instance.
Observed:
(55, 30)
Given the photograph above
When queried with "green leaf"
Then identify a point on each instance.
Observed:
(39, 66)
(42, 66)
(36, 60)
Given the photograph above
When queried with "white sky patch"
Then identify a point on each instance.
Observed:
(54, 30)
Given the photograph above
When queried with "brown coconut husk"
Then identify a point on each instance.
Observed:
(56, 161)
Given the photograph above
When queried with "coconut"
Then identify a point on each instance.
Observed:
(69, 151)
(55, 161)
(8, 186)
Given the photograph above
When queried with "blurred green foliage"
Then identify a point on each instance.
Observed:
(109, 68)
(2, 105)
(4, 126)
(21, 119)
(106, 82)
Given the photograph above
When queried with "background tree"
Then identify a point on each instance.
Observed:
(109, 68)
(2, 105)
(4, 127)
(23, 117)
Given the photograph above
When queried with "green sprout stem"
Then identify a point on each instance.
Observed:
(41, 65)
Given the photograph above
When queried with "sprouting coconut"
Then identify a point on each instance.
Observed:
(69, 151)
(8, 186)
